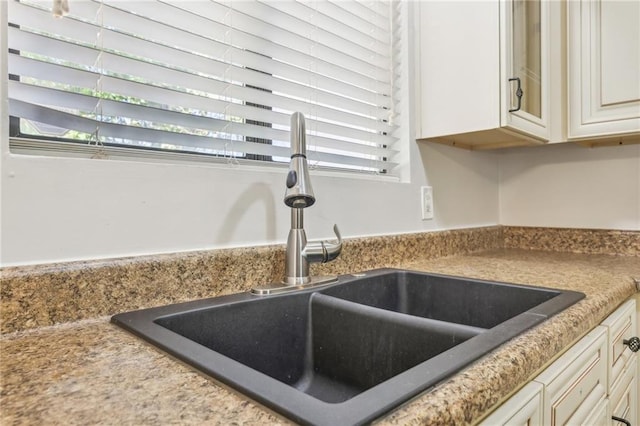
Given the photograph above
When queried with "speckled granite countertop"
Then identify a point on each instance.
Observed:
(89, 371)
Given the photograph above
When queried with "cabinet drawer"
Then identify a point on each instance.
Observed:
(523, 408)
(577, 381)
(621, 326)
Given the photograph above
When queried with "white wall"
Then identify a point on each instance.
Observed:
(70, 209)
(57, 209)
(565, 185)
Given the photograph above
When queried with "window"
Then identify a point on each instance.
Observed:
(207, 79)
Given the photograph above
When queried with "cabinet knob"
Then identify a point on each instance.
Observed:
(633, 343)
(621, 420)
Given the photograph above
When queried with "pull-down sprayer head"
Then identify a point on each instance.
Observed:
(299, 193)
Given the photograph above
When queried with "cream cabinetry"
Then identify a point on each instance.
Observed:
(523, 408)
(484, 72)
(575, 386)
(622, 365)
(592, 383)
(624, 397)
(578, 65)
(603, 44)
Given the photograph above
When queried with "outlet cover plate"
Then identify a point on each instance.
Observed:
(427, 202)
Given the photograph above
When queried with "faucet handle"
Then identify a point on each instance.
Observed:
(337, 232)
(333, 250)
(323, 251)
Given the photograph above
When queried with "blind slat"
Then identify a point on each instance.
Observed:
(177, 78)
(377, 21)
(364, 26)
(43, 45)
(170, 96)
(195, 31)
(327, 75)
(178, 140)
(175, 98)
(296, 28)
(251, 32)
(144, 68)
(88, 104)
(374, 11)
(243, 24)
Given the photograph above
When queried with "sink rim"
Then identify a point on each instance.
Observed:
(304, 408)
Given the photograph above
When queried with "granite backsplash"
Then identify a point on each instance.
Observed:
(42, 295)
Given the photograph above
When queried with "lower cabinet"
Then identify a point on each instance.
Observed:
(593, 383)
(624, 398)
(523, 408)
(622, 365)
(575, 386)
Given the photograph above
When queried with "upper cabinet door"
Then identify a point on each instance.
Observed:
(603, 68)
(524, 66)
(473, 57)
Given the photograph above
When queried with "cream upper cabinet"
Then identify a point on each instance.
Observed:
(603, 76)
(484, 72)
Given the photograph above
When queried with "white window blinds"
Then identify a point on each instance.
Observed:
(210, 78)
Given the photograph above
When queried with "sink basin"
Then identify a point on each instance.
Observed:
(474, 303)
(352, 350)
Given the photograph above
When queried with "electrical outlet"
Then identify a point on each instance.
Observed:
(427, 202)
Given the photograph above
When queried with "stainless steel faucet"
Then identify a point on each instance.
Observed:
(299, 195)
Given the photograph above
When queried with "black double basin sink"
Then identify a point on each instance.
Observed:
(350, 351)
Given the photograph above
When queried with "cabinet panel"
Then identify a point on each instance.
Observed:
(624, 396)
(603, 68)
(621, 326)
(459, 75)
(524, 34)
(577, 380)
(620, 56)
(599, 416)
(523, 408)
(527, 55)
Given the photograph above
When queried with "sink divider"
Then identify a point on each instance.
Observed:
(354, 347)
(399, 318)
